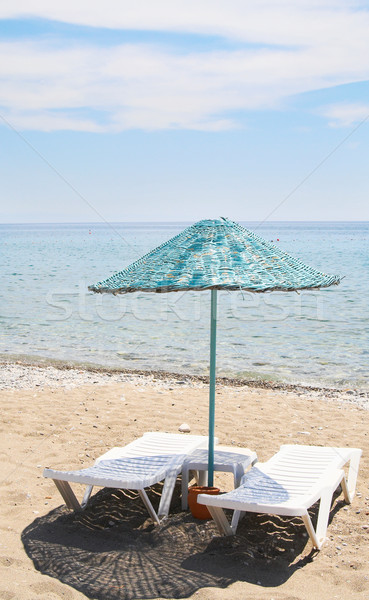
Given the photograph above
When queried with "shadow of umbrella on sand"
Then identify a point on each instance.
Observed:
(215, 255)
(112, 551)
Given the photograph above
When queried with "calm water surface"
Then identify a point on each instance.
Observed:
(318, 337)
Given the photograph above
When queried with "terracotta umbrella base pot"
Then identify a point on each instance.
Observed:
(200, 511)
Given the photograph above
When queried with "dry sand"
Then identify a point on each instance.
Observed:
(66, 419)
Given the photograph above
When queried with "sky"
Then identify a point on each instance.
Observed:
(171, 110)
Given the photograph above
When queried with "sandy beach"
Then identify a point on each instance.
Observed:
(66, 418)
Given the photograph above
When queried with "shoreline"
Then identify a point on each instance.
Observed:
(27, 373)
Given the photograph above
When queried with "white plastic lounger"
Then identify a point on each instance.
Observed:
(152, 458)
(289, 484)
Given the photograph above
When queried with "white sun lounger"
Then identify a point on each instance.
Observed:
(289, 484)
(152, 458)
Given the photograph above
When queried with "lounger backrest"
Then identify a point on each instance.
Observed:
(317, 457)
(157, 444)
(302, 469)
(167, 443)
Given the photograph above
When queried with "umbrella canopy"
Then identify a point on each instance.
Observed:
(215, 255)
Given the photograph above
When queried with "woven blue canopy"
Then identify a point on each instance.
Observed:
(215, 254)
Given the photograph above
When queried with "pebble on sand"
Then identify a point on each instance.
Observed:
(184, 428)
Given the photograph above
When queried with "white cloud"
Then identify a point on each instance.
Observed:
(303, 46)
(346, 114)
(265, 21)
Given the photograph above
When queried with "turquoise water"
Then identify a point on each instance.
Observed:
(317, 337)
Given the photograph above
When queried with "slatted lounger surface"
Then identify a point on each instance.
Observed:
(288, 484)
(152, 458)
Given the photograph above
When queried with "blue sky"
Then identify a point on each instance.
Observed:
(180, 110)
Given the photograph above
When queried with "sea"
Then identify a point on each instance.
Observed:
(318, 338)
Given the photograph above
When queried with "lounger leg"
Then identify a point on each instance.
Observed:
(167, 493)
(237, 516)
(145, 499)
(323, 515)
(311, 531)
(346, 491)
(87, 495)
(221, 520)
(202, 478)
(67, 494)
(237, 475)
(318, 536)
(184, 489)
(352, 474)
(187, 475)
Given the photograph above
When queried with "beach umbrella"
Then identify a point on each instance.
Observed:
(215, 255)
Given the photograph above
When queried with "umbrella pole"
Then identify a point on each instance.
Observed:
(213, 345)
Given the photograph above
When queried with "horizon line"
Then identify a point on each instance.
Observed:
(134, 222)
